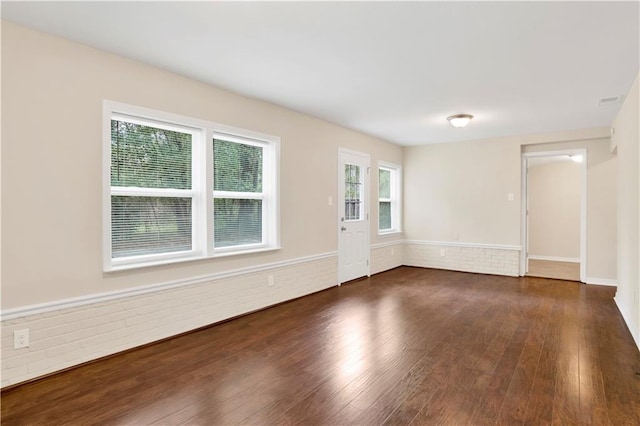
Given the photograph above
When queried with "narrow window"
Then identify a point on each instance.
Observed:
(238, 193)
(388, 198)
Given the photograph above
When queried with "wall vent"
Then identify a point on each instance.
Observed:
(614, 100)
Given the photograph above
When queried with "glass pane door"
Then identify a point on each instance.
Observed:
(352, 192)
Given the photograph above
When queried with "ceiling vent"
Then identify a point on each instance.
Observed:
(614, 100)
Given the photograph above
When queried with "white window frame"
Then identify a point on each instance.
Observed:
(201, 192)
(268, 189)
(395, 183)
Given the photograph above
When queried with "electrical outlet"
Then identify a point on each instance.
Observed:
(442, 252)
(21, 339)
(270, 280)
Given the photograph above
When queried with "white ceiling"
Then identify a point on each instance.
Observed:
(395, 70)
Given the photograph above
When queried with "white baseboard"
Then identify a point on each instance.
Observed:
(602, 281)
(635, 335)
(555, 258)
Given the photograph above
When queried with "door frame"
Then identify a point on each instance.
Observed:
(366, 205)
(524, 221)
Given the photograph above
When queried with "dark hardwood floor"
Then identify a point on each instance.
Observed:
(409, 346)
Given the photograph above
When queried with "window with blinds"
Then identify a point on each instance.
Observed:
(151, 193)
(237, 193)
(384, 199)
(170, 196)
(388, 198)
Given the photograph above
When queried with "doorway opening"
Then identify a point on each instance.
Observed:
(554, 214)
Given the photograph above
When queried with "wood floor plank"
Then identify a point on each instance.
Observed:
(514, 407)
(566, 401)
(539, 409)
(409, 346)
(489, 405)
(592, 394)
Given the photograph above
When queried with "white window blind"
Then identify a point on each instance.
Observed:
(151, 197)
(238, 193)
(170, 196)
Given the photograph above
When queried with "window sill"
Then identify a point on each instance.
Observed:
(131, 266)
(392, 233)
(239, 252)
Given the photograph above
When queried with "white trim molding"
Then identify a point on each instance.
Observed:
(635, 333)
(387, 244)
(602, 281)
(23, 311)
(555, 258)
(524, 217)
(461, 244)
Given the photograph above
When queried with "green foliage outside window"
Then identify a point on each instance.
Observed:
(384, 195)
(149, 157)
(237, 167)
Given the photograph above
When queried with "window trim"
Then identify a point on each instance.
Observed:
(395, 186)
(267, 189)
(201, 191)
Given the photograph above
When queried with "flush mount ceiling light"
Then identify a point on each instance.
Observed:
(459, 120)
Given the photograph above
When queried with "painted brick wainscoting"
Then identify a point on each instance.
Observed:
(385, 256)
(69, 332)
(480, 258)
(74, 331)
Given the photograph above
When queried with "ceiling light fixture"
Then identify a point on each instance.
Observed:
(459, 120)
(577, 158)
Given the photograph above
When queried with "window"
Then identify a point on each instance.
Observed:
(151, 188)
(352, 192)
(181, 189)
(388, 198)
(238, 193)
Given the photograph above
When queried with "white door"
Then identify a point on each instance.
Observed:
(353, 215)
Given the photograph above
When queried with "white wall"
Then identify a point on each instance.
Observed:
(52, 94)
(457, 212)
(458, 192)
(456, 195)
(626, 140)
(601, 204)
(554, 210)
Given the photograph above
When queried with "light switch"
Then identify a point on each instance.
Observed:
(330, 201)
(511, 196)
